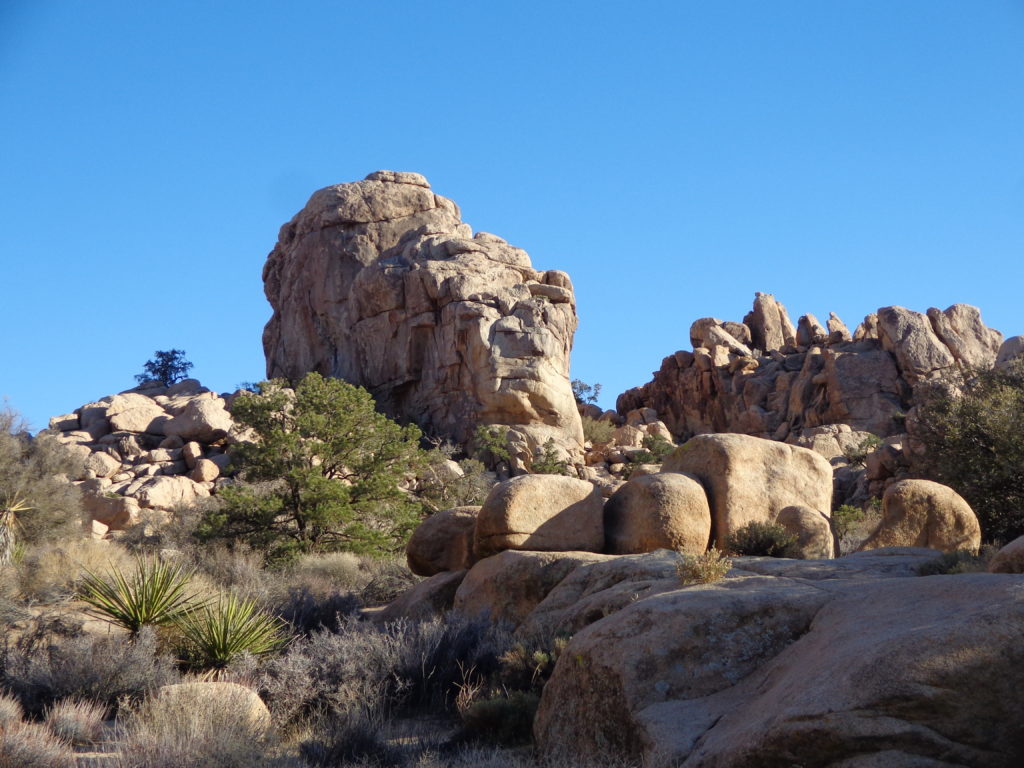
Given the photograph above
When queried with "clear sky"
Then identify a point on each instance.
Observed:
(672, 157)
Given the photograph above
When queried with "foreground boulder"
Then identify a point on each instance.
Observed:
(659, 511)
(922, 513)
(508, 586)
(750, 479)
(1009, 559)
(814, 538)
(548, 513)
(379, 282)
(783, 671)
(443, 542)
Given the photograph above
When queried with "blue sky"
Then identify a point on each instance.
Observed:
(673, 157)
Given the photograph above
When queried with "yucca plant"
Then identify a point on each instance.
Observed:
(13, 506)
(220, 632)
(155, 593)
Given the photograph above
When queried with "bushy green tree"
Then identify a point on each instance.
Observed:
(973, 440)
(321, 472)
(167, 366)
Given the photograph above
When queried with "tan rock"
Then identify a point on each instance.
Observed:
(663, 511)
(751, 479)
(205, 471)
(169, 493)
(776, 671)
(66, 423)
(443, 327)
(837, 330)
(204, 420)
(812, 529)
(1010, 350)
(191, 452)
(769, 323)
(117, 513)
(909, 337)
(971, 342)
(1009, 559)
(133, 412)
(921, 513)
(430, 598)
(103, 464)
(443, 542)
(547, 513)
(810, 331)
(507, 586)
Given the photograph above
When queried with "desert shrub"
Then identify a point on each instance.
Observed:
(170, 733)
(36, 503)
(75, 721)
(388, 577)
(973, 439)
(706, 568)
(10, 709)
(441, 487)
(30, 745)
(490, 444)
(216, 634)
(597, 431)
(101, 669)
(758, 539)
(505, 718)
(349, 739)
(844, 518)
(655, 449)
(961, 561)
(307, 611)
(154, 593)
(546, 461)
(376, 671)
(858, 456)
(322, 472)
(237, 568)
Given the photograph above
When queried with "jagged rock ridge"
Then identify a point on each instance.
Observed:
(379, 282)
(766, 378)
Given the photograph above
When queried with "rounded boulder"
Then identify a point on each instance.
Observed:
(660, 511)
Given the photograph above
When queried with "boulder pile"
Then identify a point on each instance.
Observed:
(149, 448)
(381, 283)
(820, 387)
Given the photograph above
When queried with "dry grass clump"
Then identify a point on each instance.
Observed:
(703, 569)
(10, 709)
(172, 732)
(53, 571)
(30, 745)
(75, 721)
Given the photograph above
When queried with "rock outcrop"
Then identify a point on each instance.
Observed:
(379, 282)
(791, 381)
(546, 513)
(851, 662)
(152, 447)
(921, 513)
(749, 479)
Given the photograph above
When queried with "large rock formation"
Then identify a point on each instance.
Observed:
(764, 378)
(854, 662)
(379, 282)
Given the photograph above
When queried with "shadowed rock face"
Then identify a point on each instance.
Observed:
(379, 282)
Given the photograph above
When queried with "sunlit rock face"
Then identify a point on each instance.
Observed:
(379, 282)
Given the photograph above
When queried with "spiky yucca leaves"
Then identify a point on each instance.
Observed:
(12, 507)
(220, 632)
(154, 594)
